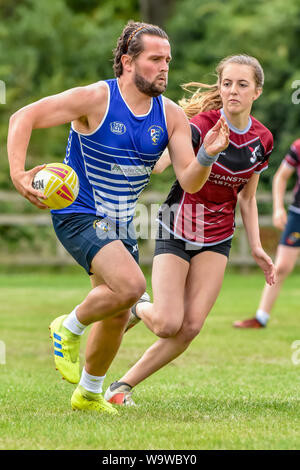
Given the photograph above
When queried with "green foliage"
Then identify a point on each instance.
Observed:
(48, 47)
(202, 33)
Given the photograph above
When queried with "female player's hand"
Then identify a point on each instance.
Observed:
(23, 183)
(217, 138)
(266, 264)
(279, 218)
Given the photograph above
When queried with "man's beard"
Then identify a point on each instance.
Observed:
(148, 88)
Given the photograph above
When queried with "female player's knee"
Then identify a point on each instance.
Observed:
(165, 328)
(283, 269)
(190, 330)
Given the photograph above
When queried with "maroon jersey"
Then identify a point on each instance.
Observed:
(207, 217)
(292, 159)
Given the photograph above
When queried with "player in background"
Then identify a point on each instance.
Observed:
(289, 245)
(119, 129)
(194, 238)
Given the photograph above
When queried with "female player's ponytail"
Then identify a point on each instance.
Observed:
(200, 100)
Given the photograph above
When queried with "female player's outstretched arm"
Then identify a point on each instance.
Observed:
(249, 213)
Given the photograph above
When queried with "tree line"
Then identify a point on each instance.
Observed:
(47, 47)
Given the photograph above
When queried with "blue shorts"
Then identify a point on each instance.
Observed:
(291, 234)
(83, 235)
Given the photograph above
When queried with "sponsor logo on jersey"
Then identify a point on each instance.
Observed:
(227, 180)
(117, 128)
(256, 153)
(129, 170)
(156, 133)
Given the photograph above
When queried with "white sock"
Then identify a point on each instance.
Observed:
(262, 316)
(92, 383)
(73, 324)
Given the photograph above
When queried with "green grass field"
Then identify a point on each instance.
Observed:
(231, 390)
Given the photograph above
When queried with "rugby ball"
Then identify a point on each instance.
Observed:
(59, 182)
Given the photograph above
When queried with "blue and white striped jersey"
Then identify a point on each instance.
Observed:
(115, 161)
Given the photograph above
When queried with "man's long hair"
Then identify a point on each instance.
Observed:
(130, 42)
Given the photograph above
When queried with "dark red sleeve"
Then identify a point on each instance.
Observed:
(292, 158)
(200, 125)
(268, 144)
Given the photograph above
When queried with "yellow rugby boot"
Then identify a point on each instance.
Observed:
(89, 401)
(66, 350)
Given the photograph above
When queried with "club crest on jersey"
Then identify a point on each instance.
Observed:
(256, 153)
(117, 128)
(156, 133)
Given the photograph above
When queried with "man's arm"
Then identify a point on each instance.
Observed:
(190, 173)
(77, 104)
(280, 180)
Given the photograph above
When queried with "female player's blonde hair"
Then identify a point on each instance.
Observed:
(210, 98)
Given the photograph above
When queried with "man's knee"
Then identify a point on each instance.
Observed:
(120, 320)
(131, 290)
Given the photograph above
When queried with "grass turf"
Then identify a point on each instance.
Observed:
(231, 389)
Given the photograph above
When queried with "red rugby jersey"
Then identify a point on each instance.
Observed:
(207, 217)
(292, 159)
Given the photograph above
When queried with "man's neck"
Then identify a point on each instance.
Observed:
(138, 102)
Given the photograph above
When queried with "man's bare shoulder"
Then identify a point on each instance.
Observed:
(95, 93)
(171, 106)
(174, 115)
(95, 97)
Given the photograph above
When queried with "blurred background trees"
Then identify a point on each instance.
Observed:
(47, 47)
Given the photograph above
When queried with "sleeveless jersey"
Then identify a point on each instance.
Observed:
(292, 159)
(207, 217)
(114, 162)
